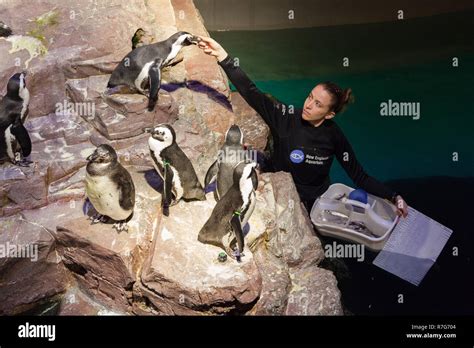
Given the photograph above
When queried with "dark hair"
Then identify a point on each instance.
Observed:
(340, 97)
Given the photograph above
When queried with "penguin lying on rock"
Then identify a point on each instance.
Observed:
(232, 212)
(141, 68)
(109, 187)
(174, 167)
(15, 142)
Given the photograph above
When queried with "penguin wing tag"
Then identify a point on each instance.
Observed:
(237, 228)
(154, 75)
(21, 134)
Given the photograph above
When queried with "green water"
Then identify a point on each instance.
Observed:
(407, 61)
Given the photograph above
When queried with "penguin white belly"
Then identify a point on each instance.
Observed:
(104, 196)
(10, 140)
(252, 201)
(156, 147)
(142, 76)
(177, 188)
(25, 95)
(175, 48)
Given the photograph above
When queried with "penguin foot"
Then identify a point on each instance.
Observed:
(23, 162)
(151, 105)
(112, 90)
(98, 218)
(237, 255)
(121, 226)
(174, 202)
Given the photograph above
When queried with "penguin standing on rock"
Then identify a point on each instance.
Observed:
(109, 187)
(232, 212)
(141, 68)
(15, 142)
(174, 167)
(231, 154)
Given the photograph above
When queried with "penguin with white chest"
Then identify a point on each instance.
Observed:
(141, 68)
(109, 187)
(174, 167)
(231, 154)
(232, 212)
(15, 142)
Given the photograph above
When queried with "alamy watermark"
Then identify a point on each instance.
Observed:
(85, 109)
(354, 251)
(393, 108)
(236, 156)
(24, 251)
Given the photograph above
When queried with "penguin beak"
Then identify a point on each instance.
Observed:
(92, 157)
(193, 40)
(158, 136)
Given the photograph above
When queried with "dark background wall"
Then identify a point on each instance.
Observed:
(273, 14)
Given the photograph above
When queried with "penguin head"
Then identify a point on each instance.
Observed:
(184, 38)
(244, 170)
(234, 136)
(16, 85)
(103, 154)
(163, 133)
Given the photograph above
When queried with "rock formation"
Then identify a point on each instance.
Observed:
(158, 267)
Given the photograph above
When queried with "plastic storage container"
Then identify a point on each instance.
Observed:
(336, 216)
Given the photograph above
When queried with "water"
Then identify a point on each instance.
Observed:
(408, 61)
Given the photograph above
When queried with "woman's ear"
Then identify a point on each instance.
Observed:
(330, 115)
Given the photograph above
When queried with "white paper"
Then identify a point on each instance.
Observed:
(413, 247)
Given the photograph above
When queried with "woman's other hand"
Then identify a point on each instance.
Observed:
(402, 207)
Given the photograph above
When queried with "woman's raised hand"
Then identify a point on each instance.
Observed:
(212, 48)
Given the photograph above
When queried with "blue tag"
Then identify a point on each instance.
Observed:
(297, 156)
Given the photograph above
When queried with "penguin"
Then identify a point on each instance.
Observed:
(141, 68)
(4, 30)
(174, 167)
(230, 154)
(109, 187)
(15, 142)
(232, 212)
(141, 38)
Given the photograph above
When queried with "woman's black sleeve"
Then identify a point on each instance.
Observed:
(274, 114)
(347, 158)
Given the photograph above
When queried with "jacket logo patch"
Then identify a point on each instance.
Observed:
(297, 156)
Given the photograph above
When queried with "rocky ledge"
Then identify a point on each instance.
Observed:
(158, 266)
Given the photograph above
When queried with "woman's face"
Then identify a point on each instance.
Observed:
(317, 106)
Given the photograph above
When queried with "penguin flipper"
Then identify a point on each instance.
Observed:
(237, 228)
(154, 76)
(22, 136)
(211, 174)
(254, 178)
(126, 189)
(167, 187)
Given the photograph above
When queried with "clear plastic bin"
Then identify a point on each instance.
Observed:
(337, 216)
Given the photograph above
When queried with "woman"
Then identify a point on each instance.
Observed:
(305, 140)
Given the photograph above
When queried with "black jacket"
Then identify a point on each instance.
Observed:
(300, 148)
